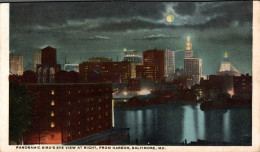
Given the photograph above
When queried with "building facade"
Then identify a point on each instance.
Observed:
(114, 72)
(169, 69)
(132, 57)
(68, 111)
(225, 64)
(147, 72)
(48, 67)
(192, 69)
(36, 59)
(16, 64)
(155, 58)
(192, 66)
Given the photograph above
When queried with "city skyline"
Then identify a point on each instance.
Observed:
(213, 31)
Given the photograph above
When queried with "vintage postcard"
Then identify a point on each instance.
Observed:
(131, 76)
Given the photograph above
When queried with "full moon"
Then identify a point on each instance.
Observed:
(169, 18)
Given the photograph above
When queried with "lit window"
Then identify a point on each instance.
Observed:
(69, 92)
(69, 102)
(99, 108)
(79, 132)
(52, 124)
(78, 91)
(69, 113)
(79, 101)
(99, 100)
(52, 103)
(69, 123)
(52, 114)
(78, 112)
(92, 108)
(79, 122)
(99, 116)
(91, 118)
(99, 127)
(52, 92)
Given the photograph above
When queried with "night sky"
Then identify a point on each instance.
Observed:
(81, 30)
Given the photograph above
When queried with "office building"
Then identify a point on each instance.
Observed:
(132, 57)
(36, 59)
(16, 65)
(147, 72)
(115, 72)
(155, 58)
(192, 66)
(69, 111)
(169, 68)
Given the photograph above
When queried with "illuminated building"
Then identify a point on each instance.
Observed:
(169, 64)
(71, 67)
(48, 67)
(192, 66)
(192, 69)
(132, 57)
(16, 65)
(225, 65)
(105, 71)
(69, 111)
(36, 59)
(188, 51)
(153, 58)
(147, 72)
(100, 59)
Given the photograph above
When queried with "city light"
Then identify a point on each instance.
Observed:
(144, 92)
(125, 93)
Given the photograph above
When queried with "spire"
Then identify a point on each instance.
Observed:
(226, 55)
(188, 44)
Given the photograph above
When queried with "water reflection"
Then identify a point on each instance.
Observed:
(171, 124)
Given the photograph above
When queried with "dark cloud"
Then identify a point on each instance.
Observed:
(228, 12)
(185, 8)
(59, 13)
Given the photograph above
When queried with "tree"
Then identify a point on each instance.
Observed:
(20, 111)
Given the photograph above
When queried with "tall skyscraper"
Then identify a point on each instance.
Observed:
(48, 67)
(135, 59)
(225, 64)
(155, 58)
(192, 66)
(169, 68)
(16, 64)
(36, 59)
(192, 69)
(188, 51)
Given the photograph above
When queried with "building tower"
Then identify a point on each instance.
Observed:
(36, 59)
(16, 64)
(135, 59)
(48, 67)
(155, 58)
(188, 51)
(192, 66)
(225, 64)
(169, 64)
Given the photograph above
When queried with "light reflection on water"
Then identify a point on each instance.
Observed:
(171, 124)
